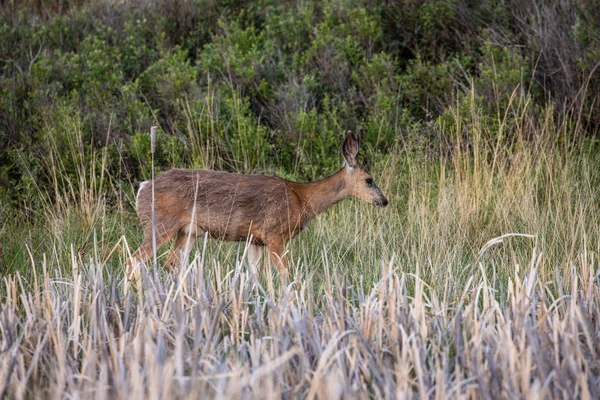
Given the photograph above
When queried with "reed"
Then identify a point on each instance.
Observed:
(201, 332)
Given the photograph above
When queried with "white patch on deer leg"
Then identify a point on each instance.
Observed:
(254, 257)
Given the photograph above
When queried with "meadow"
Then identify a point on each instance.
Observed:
(479, 280)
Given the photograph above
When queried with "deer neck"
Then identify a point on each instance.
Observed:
(318, 196)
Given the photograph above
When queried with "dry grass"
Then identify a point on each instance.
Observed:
(197, 333)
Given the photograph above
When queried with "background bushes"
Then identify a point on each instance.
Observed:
(268, 86)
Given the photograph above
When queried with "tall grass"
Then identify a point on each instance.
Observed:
(479, 280)
(213, 330)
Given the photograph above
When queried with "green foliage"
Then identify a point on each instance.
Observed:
(138, 48)
(272, 86)
(166, 82)
(235, 55)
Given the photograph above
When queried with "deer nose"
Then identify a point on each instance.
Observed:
(381, 202)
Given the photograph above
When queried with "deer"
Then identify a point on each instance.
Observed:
(265, 211)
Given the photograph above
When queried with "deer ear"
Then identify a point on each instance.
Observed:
(350, 149)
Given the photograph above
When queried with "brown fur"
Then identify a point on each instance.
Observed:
(235, 207)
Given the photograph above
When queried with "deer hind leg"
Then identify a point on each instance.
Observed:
(145, 250)
(276, 252)
(183, 242)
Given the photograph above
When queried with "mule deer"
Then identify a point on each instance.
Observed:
(233, 207)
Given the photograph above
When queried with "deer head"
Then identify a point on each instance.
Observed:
(359, 183)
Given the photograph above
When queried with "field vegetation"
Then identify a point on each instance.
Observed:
(480, 121)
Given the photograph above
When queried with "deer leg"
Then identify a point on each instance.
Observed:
(253, 256)
(184, 241)
(276, 251)
(145, 250)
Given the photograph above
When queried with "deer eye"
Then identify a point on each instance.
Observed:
(369, 182)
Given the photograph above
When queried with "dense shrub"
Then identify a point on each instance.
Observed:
(271, 86)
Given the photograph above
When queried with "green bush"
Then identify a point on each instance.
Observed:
(272, 86)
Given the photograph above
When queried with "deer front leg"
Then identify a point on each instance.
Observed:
(254, 257)
(277, 254)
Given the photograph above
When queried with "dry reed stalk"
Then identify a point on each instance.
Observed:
(195, 333)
